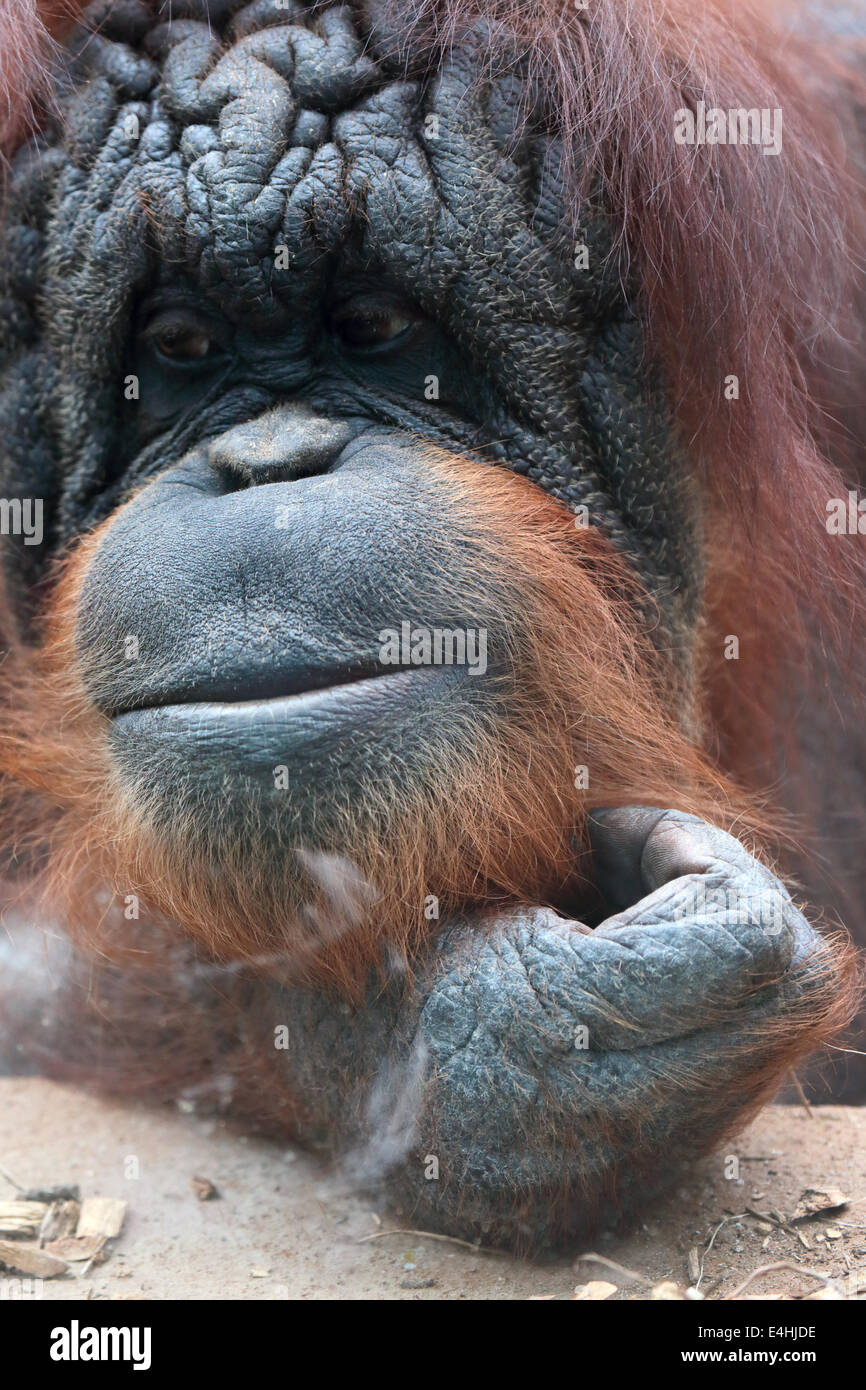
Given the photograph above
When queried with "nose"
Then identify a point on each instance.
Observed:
(287, 443)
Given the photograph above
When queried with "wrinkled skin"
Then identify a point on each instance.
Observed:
(176, 183)
(491, 1075)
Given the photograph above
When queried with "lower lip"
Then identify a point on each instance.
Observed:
(263, 727)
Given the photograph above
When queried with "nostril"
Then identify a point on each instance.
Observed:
(279, 447)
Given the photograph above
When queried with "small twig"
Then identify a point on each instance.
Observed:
(768, 1217)
(432, 1235)
(612, 1264)
(768, 1269)
(709, 1246)
(11, 1180)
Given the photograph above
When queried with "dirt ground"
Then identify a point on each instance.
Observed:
(280, 1228)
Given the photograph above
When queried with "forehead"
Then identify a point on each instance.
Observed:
(259, 149)
(257, 91)
(321, 59)
(266, 128)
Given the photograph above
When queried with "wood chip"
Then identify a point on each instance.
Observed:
(596, 1291)
(204, 1189)
(61, 1219)
(816, 1201)
(29, 1259)
(73, 1248)
(694, 1264)
(20, 1219)
(101, 1216)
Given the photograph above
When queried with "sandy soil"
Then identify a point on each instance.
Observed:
(282, 1229)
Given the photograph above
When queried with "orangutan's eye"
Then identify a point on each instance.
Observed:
(363, 323)
(181, 340)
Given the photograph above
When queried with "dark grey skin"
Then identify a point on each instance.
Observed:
(155, 220)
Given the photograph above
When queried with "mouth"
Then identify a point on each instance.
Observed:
(308, 700)
(248, 688)
(309, 730)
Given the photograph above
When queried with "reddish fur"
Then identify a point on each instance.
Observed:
(28, 34)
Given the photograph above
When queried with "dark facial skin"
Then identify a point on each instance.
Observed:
(282, 246)
(298, 682)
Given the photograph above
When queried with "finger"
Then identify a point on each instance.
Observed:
(603, 1031)
(617, 836)
(637, 849)
(675, 964)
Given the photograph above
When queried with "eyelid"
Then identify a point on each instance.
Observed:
(161, 323)
(184, 321)
(373, 306)
(370, 311)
